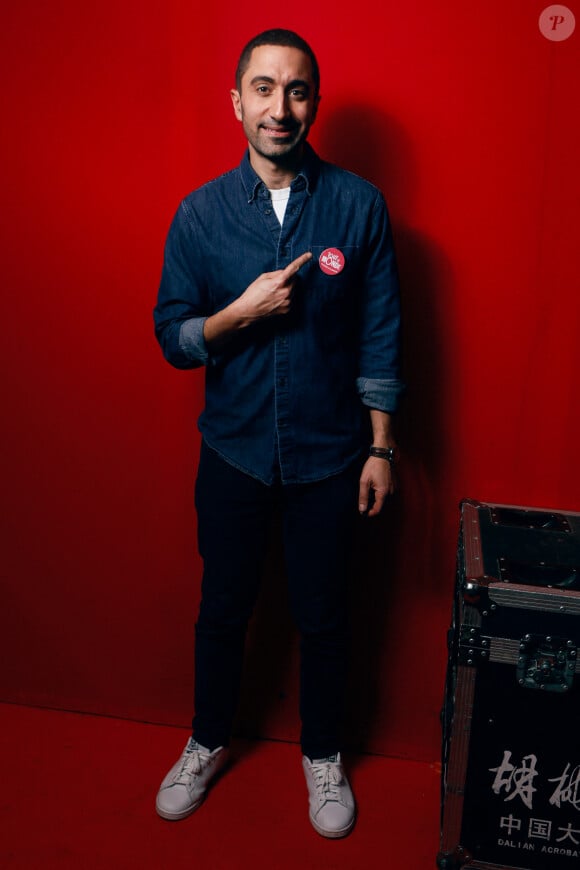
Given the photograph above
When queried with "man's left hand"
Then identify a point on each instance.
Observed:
(377, 481)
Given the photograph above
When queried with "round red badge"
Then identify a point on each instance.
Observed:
(331, 261)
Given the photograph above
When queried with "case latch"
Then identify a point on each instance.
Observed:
(547, 663)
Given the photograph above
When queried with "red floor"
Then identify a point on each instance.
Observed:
(78, 792)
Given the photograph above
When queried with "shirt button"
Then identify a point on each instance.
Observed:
(267, 211)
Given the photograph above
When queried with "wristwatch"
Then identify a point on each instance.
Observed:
(388, 453)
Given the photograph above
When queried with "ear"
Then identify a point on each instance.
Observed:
(237, 103)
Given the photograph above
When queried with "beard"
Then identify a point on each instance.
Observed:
(283, 150)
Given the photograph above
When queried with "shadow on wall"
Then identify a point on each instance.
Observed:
(406, 556)
(403, 557)
(397, 552)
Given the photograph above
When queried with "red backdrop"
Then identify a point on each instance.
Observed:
(467, 119)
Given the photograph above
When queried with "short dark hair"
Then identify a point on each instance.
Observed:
(277, 36)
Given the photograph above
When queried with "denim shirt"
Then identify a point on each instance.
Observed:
(286, 395)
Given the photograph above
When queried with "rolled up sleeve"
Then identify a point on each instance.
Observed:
(382, 394)
(191, 340)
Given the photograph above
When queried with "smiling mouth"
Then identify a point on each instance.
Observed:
(278, 132)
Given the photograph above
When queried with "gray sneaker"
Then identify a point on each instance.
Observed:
(183, 789)
(331, 801)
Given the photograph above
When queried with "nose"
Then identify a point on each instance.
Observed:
(279, 105)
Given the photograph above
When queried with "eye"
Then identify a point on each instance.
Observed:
(263, 89)
(298, 94)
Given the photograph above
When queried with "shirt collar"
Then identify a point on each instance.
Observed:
(305, 179)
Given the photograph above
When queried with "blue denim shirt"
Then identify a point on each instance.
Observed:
(287, 394)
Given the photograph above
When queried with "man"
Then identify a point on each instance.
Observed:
(280, 278)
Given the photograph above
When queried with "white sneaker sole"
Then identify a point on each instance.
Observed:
(176, 817)
(333, 835)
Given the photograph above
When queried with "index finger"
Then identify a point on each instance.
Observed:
(293, 267)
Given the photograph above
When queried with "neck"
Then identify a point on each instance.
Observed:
(275, 174)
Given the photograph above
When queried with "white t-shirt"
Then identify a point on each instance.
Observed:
(280, 201)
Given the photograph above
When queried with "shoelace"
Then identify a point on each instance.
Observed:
(327, 779)
(191, 767)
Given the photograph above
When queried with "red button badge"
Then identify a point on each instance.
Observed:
(331, 261)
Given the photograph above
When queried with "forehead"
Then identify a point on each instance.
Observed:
(280, 63)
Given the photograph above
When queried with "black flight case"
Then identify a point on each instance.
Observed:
(511, 714)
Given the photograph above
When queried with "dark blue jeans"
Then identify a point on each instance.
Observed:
(234, 521)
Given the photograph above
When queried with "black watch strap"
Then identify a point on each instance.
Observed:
(387, 453)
